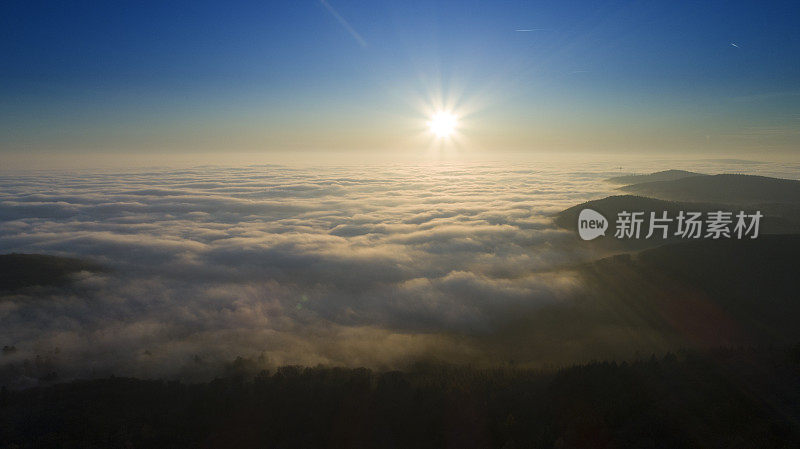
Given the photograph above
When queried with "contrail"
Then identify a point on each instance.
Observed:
(734, 45)
(529, 29)
(344, 23)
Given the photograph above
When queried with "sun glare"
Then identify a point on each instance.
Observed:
(442, 124)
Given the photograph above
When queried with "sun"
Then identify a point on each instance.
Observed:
(443, 124)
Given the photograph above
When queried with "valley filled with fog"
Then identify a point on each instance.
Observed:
(377, 265)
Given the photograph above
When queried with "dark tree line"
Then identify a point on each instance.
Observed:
(726, 399)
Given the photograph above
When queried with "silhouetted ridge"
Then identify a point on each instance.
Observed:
(742, 398)
(666, 175)
(726, 188)
(27, 270)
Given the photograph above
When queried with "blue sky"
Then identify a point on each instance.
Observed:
(264, 76)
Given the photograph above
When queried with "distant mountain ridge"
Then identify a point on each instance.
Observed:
(666, 175)
(725, 188)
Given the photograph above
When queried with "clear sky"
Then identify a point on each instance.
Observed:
(184, 76)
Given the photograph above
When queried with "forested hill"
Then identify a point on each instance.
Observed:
(731, 399)
(725, 188)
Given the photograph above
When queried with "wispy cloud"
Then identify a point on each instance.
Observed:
(342, 21)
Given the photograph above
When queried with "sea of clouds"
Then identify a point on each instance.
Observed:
(359, 265)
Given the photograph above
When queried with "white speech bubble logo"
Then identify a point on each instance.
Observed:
(591, 224)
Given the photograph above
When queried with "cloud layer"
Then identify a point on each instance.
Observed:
(358, 265)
